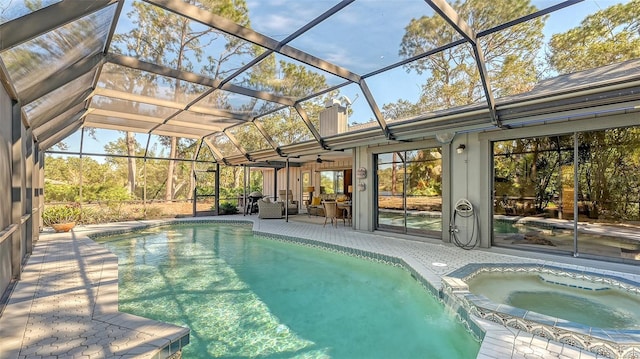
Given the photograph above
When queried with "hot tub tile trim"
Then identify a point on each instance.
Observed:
(603, 342)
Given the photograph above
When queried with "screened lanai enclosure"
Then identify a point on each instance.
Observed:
(526, 108)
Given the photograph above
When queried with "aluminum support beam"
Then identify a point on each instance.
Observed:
(134, 63)
(61, 78)
(460, 25)
(375, 109)
(314, 132)
(227, 26)
(451, 16)
(15, 32)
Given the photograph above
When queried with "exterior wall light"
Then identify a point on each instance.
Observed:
(461, 148)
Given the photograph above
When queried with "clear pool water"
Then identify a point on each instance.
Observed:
(244, 296)
(606, 308)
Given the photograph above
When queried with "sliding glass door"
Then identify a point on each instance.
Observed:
(543, 202)
(409, 191)
(609, 193)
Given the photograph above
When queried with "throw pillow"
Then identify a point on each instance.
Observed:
(315, 201)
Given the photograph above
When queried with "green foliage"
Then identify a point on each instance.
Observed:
(60, 192)
(227, 208)
(118, 212)
(605, 37)
(95, 215)
(423, 173)
(60, 214)
(454, 79)
(541, 169)
(101, 192)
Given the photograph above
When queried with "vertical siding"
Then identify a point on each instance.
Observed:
(6, 165)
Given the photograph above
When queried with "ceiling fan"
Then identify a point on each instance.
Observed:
(320, 160)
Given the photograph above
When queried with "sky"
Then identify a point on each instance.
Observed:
(362, 37)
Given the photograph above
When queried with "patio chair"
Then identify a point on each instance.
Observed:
(268, 209)
(291, 205)
(330, 213)
(343, 213)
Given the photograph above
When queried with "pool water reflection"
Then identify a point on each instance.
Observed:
(247, 296)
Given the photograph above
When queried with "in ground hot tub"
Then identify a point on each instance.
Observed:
(587, 310)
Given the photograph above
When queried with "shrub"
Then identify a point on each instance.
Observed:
(60, 192)
(154, 212)
(228, 208)
(60, 214)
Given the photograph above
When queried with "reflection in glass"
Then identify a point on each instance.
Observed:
(286, 127)
(52, 103)
(609, 193)
(332, 182)
(282, 76)
(410, 191)
(10, 10)
(222, 142)
(249, 137)
(179, 42)
(35, 60)
(390, 197)
(535, 196)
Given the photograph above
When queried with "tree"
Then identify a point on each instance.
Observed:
(453, 74)
(287, 79)
(605, 37)
(178, 42)
(126, 167)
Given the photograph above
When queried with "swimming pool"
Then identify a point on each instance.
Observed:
(587, 310)
(246, 296)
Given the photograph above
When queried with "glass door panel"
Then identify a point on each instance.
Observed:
(609, 195)
(424, 191)
(533, 193)
(390, 197)
(409, 196)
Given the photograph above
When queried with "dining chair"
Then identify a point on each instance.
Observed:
(330, 212)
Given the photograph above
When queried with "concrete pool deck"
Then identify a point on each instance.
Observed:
(65, 304)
